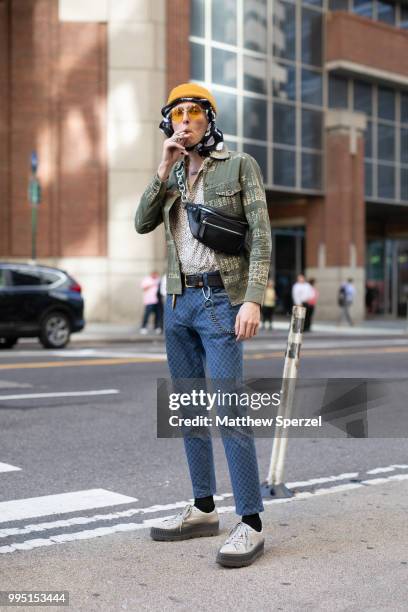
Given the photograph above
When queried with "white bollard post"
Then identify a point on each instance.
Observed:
(274, 486)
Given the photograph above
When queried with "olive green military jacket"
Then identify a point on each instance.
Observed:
(232, 184)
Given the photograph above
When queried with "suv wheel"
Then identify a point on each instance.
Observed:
(55, 330)
(6, 343)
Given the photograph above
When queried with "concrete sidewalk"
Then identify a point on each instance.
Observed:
(341, 551)
(118, 332)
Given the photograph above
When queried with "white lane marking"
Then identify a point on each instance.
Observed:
(10, 384)
(121, 527)
(313, 481)
(62, 503)
(5, 467)
(389, 468)
(83, 520)
(62, 394)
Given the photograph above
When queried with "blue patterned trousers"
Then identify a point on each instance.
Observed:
(196, 344)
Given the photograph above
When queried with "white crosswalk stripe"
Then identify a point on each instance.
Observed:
(5, 467)
(14, 538)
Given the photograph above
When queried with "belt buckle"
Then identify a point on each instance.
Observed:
(185, 282)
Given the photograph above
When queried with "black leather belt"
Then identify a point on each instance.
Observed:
(206, 279)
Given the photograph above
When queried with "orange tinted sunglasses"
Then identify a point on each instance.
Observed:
(177, 114)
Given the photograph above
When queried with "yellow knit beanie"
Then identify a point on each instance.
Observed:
(191, 90)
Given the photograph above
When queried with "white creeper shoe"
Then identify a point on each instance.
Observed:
(242, 546)
(188, 523)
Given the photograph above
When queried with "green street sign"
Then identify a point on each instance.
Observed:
(34, 191)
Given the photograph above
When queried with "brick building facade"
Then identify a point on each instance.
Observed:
(318, 95)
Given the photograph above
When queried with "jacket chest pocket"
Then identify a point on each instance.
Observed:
(226, 196)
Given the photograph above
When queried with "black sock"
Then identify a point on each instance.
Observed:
(253, 520)
(205, 504)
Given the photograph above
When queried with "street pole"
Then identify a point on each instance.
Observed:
(33, 232)
(34, 196)
(274, 485)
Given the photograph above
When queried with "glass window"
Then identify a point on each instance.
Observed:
(368, 140)
(255, 74)
(404, 108)
(25, 278)
(197, 62)
(311, 37)
(261, 156)
(311, 129)
(255, 121)
(197, 18)
(312, 87)
(284, 81)
(386, 11)
(368, 179)
(232, 146)
(227, 112)
(338, 5)
(224, 21)
(48, 278)
(404, 145)
(404, 16)
(2, 277)
(338, 92)
(284, 30)
(386, 181)
(386, 142)
(284, 124)
(363, 99)
(364, 8)
(224, 67)
(386, 103)
(255, 25)
(311, 171)
(313, 2)
(404, 183)
(284, 167)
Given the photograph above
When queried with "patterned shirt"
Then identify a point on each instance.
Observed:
(194, 256)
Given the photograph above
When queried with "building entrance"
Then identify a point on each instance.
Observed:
(387, 277)
(288, 260)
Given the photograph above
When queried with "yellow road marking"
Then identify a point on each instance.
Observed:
(254, 356)
(79, 362)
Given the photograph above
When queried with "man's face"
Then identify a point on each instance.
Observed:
(189, 118)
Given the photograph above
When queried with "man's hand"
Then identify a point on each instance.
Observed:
(247, 321)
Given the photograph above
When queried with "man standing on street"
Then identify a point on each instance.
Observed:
(213, 302)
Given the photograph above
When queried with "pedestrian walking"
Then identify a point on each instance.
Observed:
(311, 304)
(150, 286)
(268, 306)
(215, 288)
(301, 294)
(345, 299)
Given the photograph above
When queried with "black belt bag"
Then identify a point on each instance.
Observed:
(217, 230)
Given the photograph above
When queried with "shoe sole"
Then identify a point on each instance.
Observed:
(165, 535)
(235, 560)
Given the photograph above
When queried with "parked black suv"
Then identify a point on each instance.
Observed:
(38, 301)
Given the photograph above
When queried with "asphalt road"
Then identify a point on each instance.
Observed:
(81, 476)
